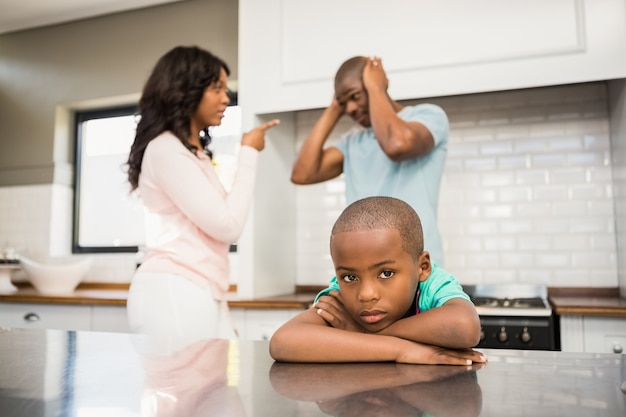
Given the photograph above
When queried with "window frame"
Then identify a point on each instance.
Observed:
(81, 116)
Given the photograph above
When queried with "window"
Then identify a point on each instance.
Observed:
(107, 217)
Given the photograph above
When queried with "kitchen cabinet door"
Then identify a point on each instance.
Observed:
(289, 51)
(605, 334)
(45, 316)
(572, 333)
(238, 316)
(593, 334)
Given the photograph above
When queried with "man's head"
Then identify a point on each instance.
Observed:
(350, 91)
(377, 249)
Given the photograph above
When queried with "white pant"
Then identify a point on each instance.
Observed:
(170, 306)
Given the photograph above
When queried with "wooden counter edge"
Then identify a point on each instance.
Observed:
(590, 311)
(115, 294)
(583, 292)
(576, 301)
(270, 304)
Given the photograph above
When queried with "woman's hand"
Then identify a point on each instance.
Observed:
(332, 310)
(256, 137)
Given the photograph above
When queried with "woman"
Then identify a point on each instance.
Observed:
(180, 288)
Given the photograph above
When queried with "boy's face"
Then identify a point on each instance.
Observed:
(377, 278)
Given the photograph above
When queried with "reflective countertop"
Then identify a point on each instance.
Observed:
(87, 374)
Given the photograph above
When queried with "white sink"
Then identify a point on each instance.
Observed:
(56, 276)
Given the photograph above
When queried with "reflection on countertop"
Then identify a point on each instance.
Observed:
(47, 373)
(374, 389)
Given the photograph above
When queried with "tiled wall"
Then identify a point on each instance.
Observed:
(36, 221)
(25, 218)
(527, 193)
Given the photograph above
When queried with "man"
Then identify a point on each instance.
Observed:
(400, 152)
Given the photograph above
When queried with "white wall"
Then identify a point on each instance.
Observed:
(617, 100)
(527, 193)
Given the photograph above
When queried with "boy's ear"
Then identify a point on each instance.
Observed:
(424, 265)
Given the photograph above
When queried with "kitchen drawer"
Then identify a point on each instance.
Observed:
(109, 319)
(45, 316)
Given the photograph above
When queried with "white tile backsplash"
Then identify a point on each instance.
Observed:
(526, 194)
(37, 221)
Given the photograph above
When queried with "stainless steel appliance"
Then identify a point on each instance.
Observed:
(515, 316)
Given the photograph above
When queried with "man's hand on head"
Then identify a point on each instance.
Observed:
(374, 75)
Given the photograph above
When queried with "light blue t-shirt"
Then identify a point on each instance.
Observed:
(439, 287)
(369, 172)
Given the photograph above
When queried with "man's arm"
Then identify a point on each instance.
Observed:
(314, 163)
(399, 139)
(453, 325)
(308, 338)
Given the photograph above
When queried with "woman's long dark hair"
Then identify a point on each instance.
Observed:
(170, 97)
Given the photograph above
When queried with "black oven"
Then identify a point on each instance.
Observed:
(519, 332)
(515, 317)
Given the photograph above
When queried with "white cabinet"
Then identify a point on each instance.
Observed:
(106, 318)
(289, 50)
(251, 324)
(260, 324)
(605, 334)
(45, 316)
(593, 334)
(64, 317)
(238, 316)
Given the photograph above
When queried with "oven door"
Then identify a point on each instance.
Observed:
(519, 332)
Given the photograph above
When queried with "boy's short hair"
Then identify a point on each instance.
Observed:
(373, 213)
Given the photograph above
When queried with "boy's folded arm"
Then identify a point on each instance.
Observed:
(454, 325)
(307, 338)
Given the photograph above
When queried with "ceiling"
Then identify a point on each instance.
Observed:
(27, 14)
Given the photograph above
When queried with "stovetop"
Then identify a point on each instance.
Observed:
(510, 299)
(509, 303)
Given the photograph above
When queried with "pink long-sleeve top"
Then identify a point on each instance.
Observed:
(197, 218)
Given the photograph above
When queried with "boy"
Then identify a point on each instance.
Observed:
(388, 302)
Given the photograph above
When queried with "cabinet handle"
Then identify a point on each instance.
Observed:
(617, 348)
(31, 317)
